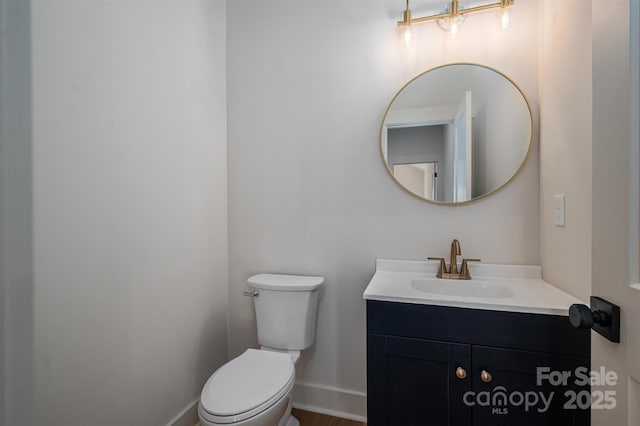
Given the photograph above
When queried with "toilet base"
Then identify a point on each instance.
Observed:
(288, 419)
(292, 421)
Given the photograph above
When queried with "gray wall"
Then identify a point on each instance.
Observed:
(16, 255)
(448, 162)
(418, 145)
(321, 202)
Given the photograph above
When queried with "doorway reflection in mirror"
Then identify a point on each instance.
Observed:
(470, 122)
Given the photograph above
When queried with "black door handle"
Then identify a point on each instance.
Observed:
(581, 316)
(603, 317)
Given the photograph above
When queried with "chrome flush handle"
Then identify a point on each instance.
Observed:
(252, 293)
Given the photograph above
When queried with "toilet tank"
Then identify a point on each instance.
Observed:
(286, 307)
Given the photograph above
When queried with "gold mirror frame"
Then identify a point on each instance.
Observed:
(488, 194)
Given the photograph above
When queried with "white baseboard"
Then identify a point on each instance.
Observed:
(188, 416)
(344, 403)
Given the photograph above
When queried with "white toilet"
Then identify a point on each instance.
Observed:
(255, 388)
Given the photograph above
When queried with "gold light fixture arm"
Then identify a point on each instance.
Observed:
(454, 10)
(406, 16)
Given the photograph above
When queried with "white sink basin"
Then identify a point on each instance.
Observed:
(514, 288)
(474, 288)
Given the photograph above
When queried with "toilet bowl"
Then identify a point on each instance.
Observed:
(252, 389)
(255, 388)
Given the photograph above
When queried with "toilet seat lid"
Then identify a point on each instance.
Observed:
(246, 382)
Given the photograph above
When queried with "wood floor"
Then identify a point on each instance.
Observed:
(308, 418)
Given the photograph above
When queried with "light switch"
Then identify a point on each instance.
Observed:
(558, 210)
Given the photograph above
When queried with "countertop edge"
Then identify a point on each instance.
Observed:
(472, 305)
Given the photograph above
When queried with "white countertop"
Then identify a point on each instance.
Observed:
(530, 294)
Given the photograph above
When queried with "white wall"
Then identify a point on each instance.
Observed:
(308, 85)
(566, 142)
(501, 118)
(130, 212)
(610, 199)
(584, 108)
(16, 256)
(412, 177)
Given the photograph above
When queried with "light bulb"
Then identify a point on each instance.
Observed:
(454, 25)
(453, 22)
(505, 18)
(408, 35)
(453, 28)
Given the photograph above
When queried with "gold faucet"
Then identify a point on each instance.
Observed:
(453, 273)
(453, 260)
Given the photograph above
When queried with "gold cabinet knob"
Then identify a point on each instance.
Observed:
(485, 376)
(461, 373)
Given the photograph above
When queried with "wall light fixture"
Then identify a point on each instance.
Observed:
(451, 17)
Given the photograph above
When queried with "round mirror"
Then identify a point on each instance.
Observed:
(456, 133)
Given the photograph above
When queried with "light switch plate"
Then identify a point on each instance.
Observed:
(559, 210)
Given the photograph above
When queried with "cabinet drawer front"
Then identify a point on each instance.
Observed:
(426, 350)
(513, 330)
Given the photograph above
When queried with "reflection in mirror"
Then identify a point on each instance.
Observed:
(456, 133)
(419, 178)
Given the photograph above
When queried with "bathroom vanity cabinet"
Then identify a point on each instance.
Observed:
(439, 365)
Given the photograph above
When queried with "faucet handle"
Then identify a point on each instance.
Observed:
(442, 268)
(464, 270)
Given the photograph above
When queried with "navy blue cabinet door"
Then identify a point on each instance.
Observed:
(414, 382)
(519, 394)
(412, 361)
